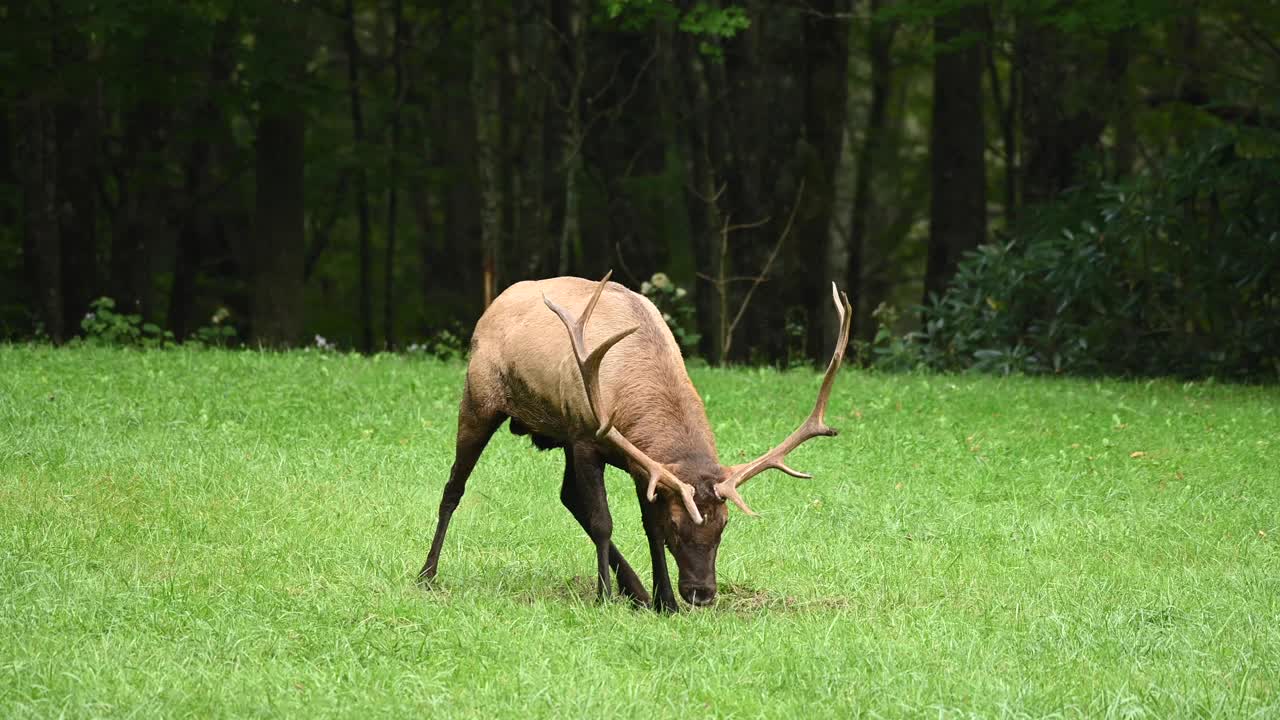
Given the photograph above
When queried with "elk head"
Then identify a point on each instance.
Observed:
(688, 500)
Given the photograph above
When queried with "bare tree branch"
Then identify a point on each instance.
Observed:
(746, 300)
(722, 281)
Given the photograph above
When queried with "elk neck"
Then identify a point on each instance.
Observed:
(662, 415)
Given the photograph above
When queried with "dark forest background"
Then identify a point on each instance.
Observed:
(1024, 185)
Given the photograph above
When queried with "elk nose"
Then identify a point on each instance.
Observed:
(700, 596)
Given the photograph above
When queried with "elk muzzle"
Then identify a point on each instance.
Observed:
(698, 596)
(697, 569)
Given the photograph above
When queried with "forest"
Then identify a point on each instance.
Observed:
(1087, 187)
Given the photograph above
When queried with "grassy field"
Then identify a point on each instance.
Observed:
(211, 534)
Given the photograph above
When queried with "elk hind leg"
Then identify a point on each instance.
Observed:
(475, 426)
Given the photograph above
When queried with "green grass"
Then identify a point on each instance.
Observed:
(212, 534)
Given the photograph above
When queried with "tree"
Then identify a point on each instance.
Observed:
(399, 89)
(1057, 123)
(826, 39)
(279, 197)
(958, 186)
(484, 96)
(38, 158)
(433, 153)
(879, 40)
(361, 182)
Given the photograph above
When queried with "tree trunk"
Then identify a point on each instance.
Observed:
(1005, 106)
(706, 221)
(1055, 130)
(77, 142)
(425, 206)
(458, 261)
(361, 184)
(879, 47)
(196, 222)
(37, 164)
(529, 225)
(958, 213)
(836, 267)
(138, 226)
(571, 150)
(571, 230)
(9, 213)
(484, 97)
(278, 226)
(826, 39)
(279, 200)
(187, 252)
(681, 261)
(393, 176)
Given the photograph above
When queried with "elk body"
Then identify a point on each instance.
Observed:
(612, 390)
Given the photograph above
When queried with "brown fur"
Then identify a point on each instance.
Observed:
(522, 365)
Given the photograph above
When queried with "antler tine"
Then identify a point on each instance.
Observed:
(589, 363)
(658, 475)
(814, 426)
(589, 367)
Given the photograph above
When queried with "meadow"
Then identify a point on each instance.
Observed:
(195, 533)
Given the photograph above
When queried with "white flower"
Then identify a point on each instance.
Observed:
(680, 292)
(661, 281)
(645, 287)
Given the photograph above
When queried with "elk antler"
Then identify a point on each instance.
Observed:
(589, 368)
(812, 427)
(658, 475)
(589, 364)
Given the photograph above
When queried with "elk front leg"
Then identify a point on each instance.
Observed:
(628, 582)
(664, 598)
(475, 427)
(593, 503)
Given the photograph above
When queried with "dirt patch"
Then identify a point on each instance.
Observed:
(744, 599)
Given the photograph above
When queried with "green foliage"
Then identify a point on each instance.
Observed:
(708, 22)
(1082, 17)
(446, 344)
(1171, 273)
(103, 325)
(219, 333)
(796, 330)
(677, 310)
(712, 24)
(208, 534)
(888, 350)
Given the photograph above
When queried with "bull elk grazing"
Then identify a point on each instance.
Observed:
(637, 412)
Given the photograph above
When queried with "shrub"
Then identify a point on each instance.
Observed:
(1174, 272)
(448, 343)
(104, 326)
(676, 307)
(219, 333)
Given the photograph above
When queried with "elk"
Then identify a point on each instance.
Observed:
(612, 391)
